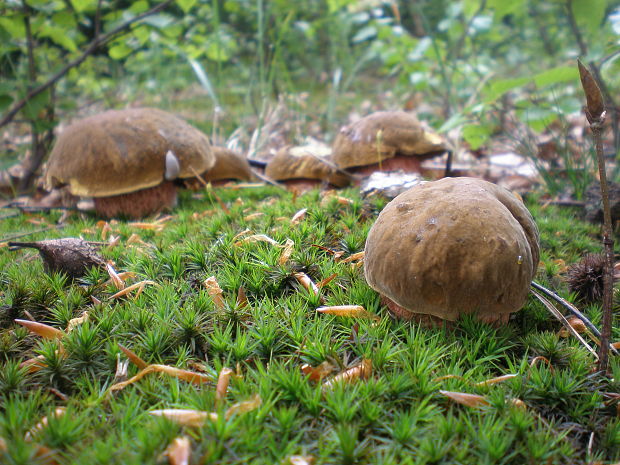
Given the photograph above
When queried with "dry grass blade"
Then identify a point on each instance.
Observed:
(444, 377)
(243, 407)
(354, 257)
(555, 312)
(133, 358)
(286, 252)
(215, 291)
(60, 411)
(361, 371)
(594, 97)
(299, 216)
(498, 379)
(353, 311)
(179, 451)
(253, 216)
(222, 384)
(463, 398)
(185, 375)
(540, 358)
(319, 372)
(324, 282)
(256, 238)
(185, 417)
(74, 322)
(127, 290)
(116, 279)
(245, 232)
(306, 282)
(41, 329)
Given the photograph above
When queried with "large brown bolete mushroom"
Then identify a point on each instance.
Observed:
(452, 247)
(385, 141)
(304, 167)
(127, 160)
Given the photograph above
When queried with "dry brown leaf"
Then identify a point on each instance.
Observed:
(34, 364)
(148, 226)
(179, 451)
(127, 290)
(324, 282)
(495, 380)
(577, 324)
(306, 282)
(222, 384)
(286, 252)
(185, 375)
(301, 460)
(353, 311)
(245, 232)
(616, 345)
(215, 291)
(463, 398)
(58, 412)
(73, 322)
(253, 216)
(594, 97)
(95, 300)
(105, 230)
(361, 371)
(319, 372)
(116, 280)
(185, 417)
(256, 238)
(41, 329)
(354, 257)
(299, 216)
(133, 358)
(243, 407)
(114, 241)
(242, 299)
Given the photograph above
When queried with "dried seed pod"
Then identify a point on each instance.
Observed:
(69, 255)
(585, 278)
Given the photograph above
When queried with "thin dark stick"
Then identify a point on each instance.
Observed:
(18, 236)
(94, 44)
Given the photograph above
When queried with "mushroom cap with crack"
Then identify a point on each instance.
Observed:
(123, 151)
(382, 135)
(304, 162)
(228, 165)
(452, 247)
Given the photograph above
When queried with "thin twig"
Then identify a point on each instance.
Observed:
(18, 236)
(92, 46)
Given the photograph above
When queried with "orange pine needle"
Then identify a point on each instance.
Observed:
(354, 257)
(354, 311)
(222, 384)
(116, 279)
(185, 417)
(495, 380)
(463, 398)
(306, 282)
(361, 371)
(133, 358)
(185, 375)
(138, 286)
(41, 329)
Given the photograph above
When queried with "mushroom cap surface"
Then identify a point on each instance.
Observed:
(122, 151)
(228, 165)
(382, 135)
(304, 162)
(452, 247)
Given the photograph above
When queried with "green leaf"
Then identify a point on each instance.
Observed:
(5, 101)
(496, 89)
(504, 7)
(476, 135)
(537, 118)
(14, 25)
(556, 76)
(34, 106)
(589, 13)
(81, 6)
(186, 5)
(59, 36)
(119, 51)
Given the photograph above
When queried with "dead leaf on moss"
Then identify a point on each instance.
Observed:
(353, 311)
(498, 379)
(540, 358)
(74, 322)
(133, 358)
(222, 384)
(33, 365)
(243, 407)
(306, 282)
(245, 232)
(42, 424)
(577, 324)
(299, 216)
(179, 451)
(185, 417)
(354, 257)
(256, 238)
(286, 252)
(326, 281)
(140, 286)
(319, 372)
(185, 375)
(253, 216)
(463, 398)
(41, 329)
(443, 378)
(361, 371)
(242, 298)
(301, 460)
(114, 277)
(215, 291)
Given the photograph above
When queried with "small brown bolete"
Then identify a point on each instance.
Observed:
(302, 167)
(452, 247)
(229, 166)
(128, 160)
(385, 141)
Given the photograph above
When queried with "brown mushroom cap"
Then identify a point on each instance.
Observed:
(383, 135)
(452, 247)
(228, 165)
(121, 151)
(302, 162)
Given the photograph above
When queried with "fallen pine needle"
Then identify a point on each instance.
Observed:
(133, 358)
(185, 417)
(495, 380)
(222, 384)
(41, 329)
(463, 398)
(360, 371)
(353, 258)
(306, 282)
(185, 375)
(127, 290)
(353, 311)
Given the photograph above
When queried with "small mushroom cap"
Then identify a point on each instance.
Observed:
(383, 135)
(304, 162)
(452, 247)
(122, 151)
(228, 165)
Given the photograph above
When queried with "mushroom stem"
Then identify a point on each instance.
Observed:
(138, 204)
